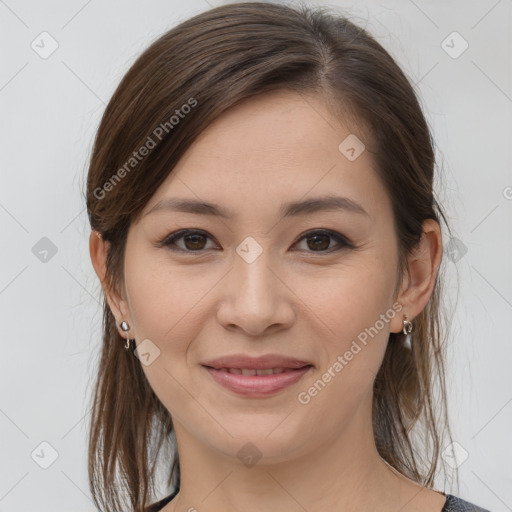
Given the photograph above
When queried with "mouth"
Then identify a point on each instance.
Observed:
(245, 362)
(255, 371)
(257, 382)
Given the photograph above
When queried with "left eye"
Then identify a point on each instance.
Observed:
(320, 240)
(194, 240)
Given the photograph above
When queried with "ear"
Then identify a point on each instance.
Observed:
(419, 282)
(98, 249)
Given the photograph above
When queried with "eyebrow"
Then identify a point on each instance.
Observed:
(292, 209)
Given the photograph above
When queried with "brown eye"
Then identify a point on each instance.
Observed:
(194, 241)
(319, 241)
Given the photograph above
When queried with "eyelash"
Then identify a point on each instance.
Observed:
(169, 240)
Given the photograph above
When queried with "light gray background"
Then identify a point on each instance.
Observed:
(51, 318)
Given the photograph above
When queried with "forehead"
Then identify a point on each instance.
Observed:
(280, 127)
(273, 148)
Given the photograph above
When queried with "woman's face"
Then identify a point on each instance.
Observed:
(257, 282)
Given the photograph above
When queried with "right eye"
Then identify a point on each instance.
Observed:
(193, 240)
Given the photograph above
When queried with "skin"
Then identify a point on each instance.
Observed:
(291, 300)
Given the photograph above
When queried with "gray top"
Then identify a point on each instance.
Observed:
(453, 504)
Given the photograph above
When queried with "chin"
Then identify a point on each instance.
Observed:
(268, 441)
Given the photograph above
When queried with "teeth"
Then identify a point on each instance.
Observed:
(252, 371)
(268, 371)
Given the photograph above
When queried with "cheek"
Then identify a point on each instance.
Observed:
(166, 306)
(357, 308)
(359, 313)
(349, 299)
(164, 298)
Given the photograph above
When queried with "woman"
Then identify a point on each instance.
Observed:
(269, 246)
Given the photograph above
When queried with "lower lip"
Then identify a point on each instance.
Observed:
(257, 385)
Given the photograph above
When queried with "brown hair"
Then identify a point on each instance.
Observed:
(208, 64)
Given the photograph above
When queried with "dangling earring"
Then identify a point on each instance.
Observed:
(125, 327)
(407, 329)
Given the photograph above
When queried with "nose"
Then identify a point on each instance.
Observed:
(256, 299)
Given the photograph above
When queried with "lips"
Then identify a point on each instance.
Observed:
(256, 376)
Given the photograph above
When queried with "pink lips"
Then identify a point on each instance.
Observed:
(291, 370)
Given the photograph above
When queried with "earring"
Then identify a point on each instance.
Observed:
(125, 327)
(407, 329)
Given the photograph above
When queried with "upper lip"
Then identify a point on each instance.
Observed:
(258, 363)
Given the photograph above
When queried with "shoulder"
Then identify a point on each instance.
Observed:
(155, 507)
(455, 504)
